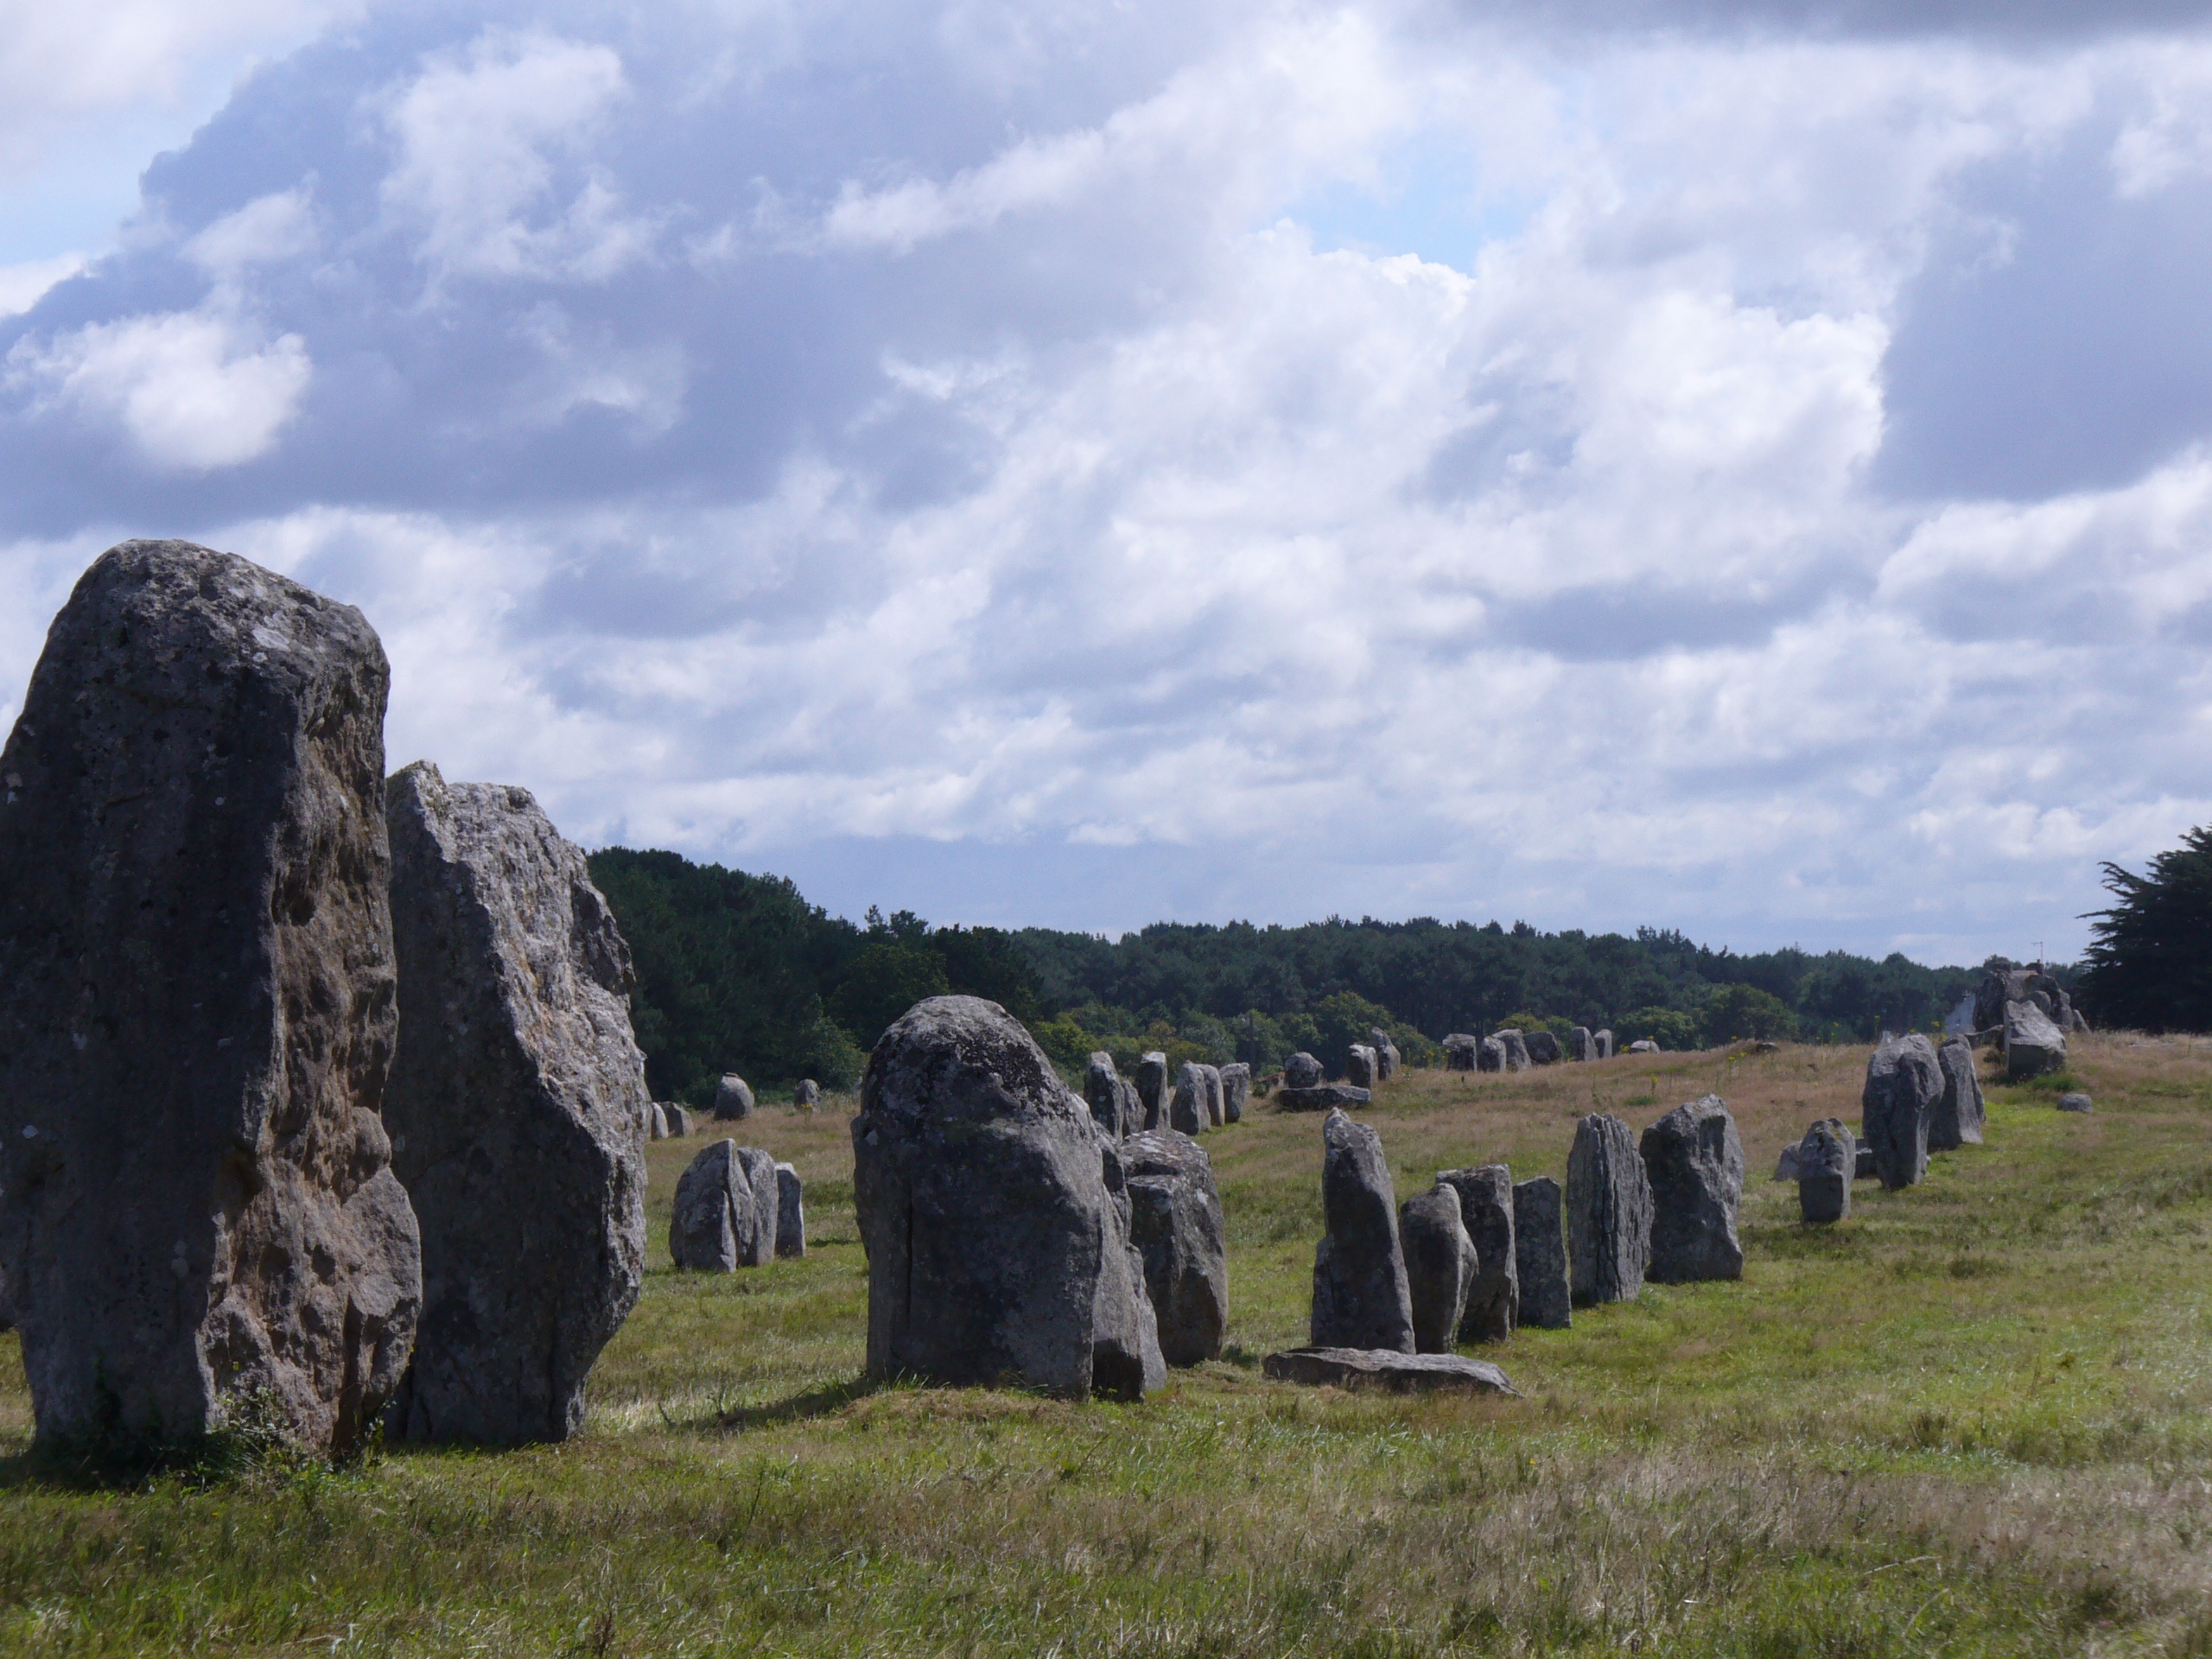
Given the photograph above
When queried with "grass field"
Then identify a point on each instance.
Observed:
(1972, 1420)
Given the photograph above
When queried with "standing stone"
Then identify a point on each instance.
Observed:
(758, 1171)
(1514, 1048)
(2033, 1043)
(1540, 1256)
(1301, 1070)
(806, 1094)
(1109, 1095)
(1188, 1114)
(1360, 1066)
(1694, 1162)
(197, 1010)
(1387, 1056)
(996, 1216)
(1235, 1089)
(679, 1121)
(1827, 1159)
(1210, 1077)
(1903, 1081)
(516, 1097)
(732, 1099)
(790, 1212)
(1580, 1046)
(1459, 1051)
(713, 1222)
(1486, 1211)
(1959, 1114)
(1361, 1299)
(1864, 1169)
(1603, 1042)
(1175, 1217)
(1785, 1167)
(656, 1122)
(1643, 1045)
(1440, 1265)
(1154, 1089)
(1608, 1212)
(1543, 1047)
(1490, 1055)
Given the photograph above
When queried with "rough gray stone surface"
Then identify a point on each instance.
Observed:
(1515, 1047)
(1320, 1097)
(1387, 1057)
(1236, 1091)
(790, 1212)
(1827, 1160)
(2030, 985)
(1188, 1114)
(1958, 1115)
(1694, 1160)
(198, 1009)
(1785, 1167)
(1210, 1080)
(1863, 1170)
(1386, 1371)
(1486, 1211)
(1155, 1089)
(712, 1221)
(1459, 1051)
(679, 1121)
(1176, 1219)
(1543, 1048)
(2074, 1103)
(995, 1215)
(759, 1172)
(1490, 1055)
(1602, 1041)
(1440, 1266)
(1301, 1070)
(1608, 1212)
(1360, 1296)
(657, 1123)
(1112, 1098)
(1540, 1256)
(2033, 1043)
(806, 1094)
(732, 1099)
(1360, 1066)
(516, 1100)
(1903, 1081)
(1643, 1045)
(1581, 1046)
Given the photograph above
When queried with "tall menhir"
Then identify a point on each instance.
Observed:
(197, 1009)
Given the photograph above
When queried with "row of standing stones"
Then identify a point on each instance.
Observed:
(385, 1159)
(1511, 1050)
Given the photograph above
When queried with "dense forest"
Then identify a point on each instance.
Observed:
(738, 972)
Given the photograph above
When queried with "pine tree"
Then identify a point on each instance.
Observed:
(2150, 961)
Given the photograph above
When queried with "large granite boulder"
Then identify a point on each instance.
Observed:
(1154, 1088)
(1903, 1081)
(1360, 1066)
(1301, 1070)
(1210, 1082)
(1387, 1057)
(1175, 1217)
(2033, 1043)
(1459, 1051)
(1603, 1042)
(759, 1172)
(1112, 1098)
(1235, 1089)
(995, 1215)
(732, 1099)
(1490, 1055)
(1958, 1115)
(1540, 1256)
(197, 1010)
(2075, 1102)
(1608, 1212)
(1543, 1047)
(2032, 985)
(1361, 1299)
(713, 1223)
(1486, 1211)
(1440, 1266)
(790, 1212)
(1515, 1049)
(514, 1107)
(1188, 1113)
(1827, 1158)
(1581, 1046)
(1694, 1162)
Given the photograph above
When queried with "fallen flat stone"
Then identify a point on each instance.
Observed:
(1459, 1051)
(1903, 1081)
(1695, 1162)
(513, 1108)
(1360, 1066)
(1236, 1091)
(1959, 1115)
(1440, 1264)
(1486, 1211)
(1387, 1056)
(1543, 1047)
(712, 1222)
(1386, 1370)
(1608, 1212)
(996, 1216)
(1176, 1219)
(1155, 1089)
(790, 1212)
(1540, 1256)
(1320, 1098)
(1827, 1158)
(2074, 1103)
(2033, 1045)
(732, 1099)
(198, 1010)
(1360, 1296)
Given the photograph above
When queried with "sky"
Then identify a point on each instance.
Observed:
(1739, 466)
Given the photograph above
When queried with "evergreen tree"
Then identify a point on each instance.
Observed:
(2151, 960)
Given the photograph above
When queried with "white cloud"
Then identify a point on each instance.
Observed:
(270, 228)
(23, 285)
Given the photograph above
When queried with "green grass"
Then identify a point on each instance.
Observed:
(1971, 1419)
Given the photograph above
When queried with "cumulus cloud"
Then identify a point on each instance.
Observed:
(1128, 460)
